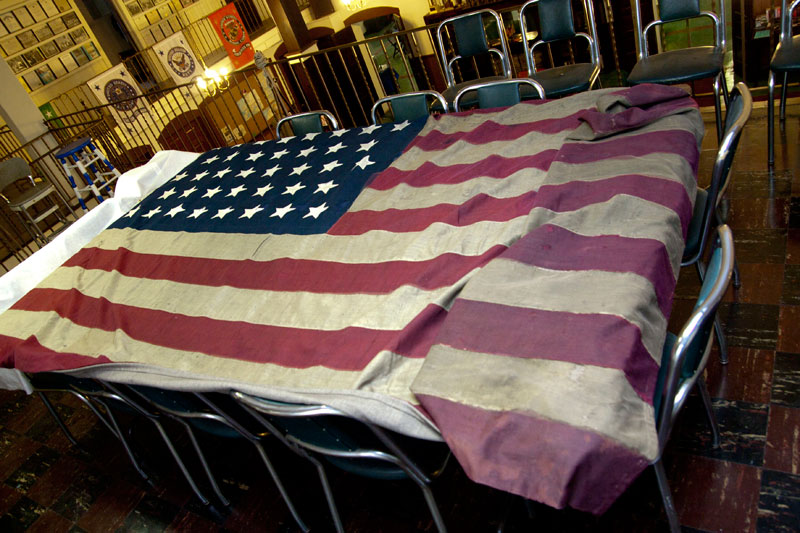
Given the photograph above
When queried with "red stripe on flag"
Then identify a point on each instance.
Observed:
(477, 209)
(582, 339)
(493, 166)
(28, 355)
(350, 348)
(679, 142)
(286, 274)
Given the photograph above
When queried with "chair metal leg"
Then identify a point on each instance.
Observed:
(54, 414)
(121, 436)
(771, 120)
(277, 480)
(783, 98)
(717, 109)
(737, 278)
(712, 420)
(718, 331)
(203, 462)
(434, 509)
(666, 496)
(323, 479)
(724, 89)
(178, 460)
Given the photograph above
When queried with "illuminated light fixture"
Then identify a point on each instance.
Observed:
(212, 82)
(354, 5)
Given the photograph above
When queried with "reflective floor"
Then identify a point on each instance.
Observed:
(750, 483)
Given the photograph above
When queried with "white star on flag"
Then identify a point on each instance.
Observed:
(400, 126)
(181, 176)
(364, 163)
(285, 140)
(132, 211)
(263, 190)
(197, 212)
(270, 171)
(281, 211)
(246, 172)
(316, 211)
(236, 190)
(367, 146)
(222, 172)
(369, 129)
(167, 194)
(174, 211)
(306, 152)
(211, 192)
(310, 136)
(152, 212)
(234, 154)
(222, 212)
(335, 148)
(325, 187)
(254, 156)
(200, 176)
(294, 188)
(327, 167)
(299, 170)
(338, 133)
(279, 154)
(248, 213)
(210, 160)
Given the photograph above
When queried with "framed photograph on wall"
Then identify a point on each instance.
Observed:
(43, 32)
(27, 39)
(64, 42)
(24, 17)
(33, 57)
(79, 56)
(134, 8)
(79, 35)
(49, 49)
(63, 5)
(10, 46)
(69, 62)
(49, 7)
(36, 11)
(91, 51)
(32, 80)
(71, 20)
(17, 64)
(58, 68)
(57, 26)
(45, 74)
(10, 22)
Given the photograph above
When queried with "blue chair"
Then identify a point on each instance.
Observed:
(469, 41)
(500, 93)
(684, 358)
(556, 24)
(361, 448)
(410, 106)
(706, 213)
(309, 122)
(687, 64)
(785, 60)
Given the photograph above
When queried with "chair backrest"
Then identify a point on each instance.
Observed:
(498, 93)
(673, 11)
(681, 368)
(786, 19)
(556, 24)
(740, 105)
(12, 170)
(410, 106)
(471, 40)
(309, 122)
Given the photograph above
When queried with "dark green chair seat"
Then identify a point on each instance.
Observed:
(785, 61)
(470, 99)
(787, 56)
(563, 80)
(678, 66)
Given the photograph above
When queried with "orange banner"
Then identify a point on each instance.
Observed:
(233, 35)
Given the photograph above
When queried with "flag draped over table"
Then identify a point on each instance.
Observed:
(513, 268)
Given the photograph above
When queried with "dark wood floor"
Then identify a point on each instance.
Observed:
(750, 483)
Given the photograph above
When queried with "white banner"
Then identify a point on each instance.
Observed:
(116, 86)
(178, 59)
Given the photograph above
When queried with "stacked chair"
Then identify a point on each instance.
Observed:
(785, 60)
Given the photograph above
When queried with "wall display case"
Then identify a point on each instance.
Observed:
(44, 41)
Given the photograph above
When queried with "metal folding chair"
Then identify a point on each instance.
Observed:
(786, 59)
(309, 122)
(500, 93)
(409, 106)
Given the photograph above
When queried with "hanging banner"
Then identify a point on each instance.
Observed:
(178, 59)
(116, 87)
(232, 33)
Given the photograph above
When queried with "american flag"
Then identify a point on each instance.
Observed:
(506, 280)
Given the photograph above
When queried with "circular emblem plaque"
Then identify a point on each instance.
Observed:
(232, 29)
(116, 90)
(180, 61)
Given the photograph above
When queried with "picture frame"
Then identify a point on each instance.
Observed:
(57, 26)
(10, 22)
(24, 17)
(45, 74)
(69, 62)
(79, 35)
(10, 46)
(36, 11)
(71, 20)
(58, 68)
(147, 4)
(165, 10)
(33, 57)
(79, 56)
(63, 5)
(134, 8)
(91, 51)
(49, 8)
(43, 32)
(64, 42)
(49, 49)
(17, 64)
(186, 3)
(27, 39)
(32, 80)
